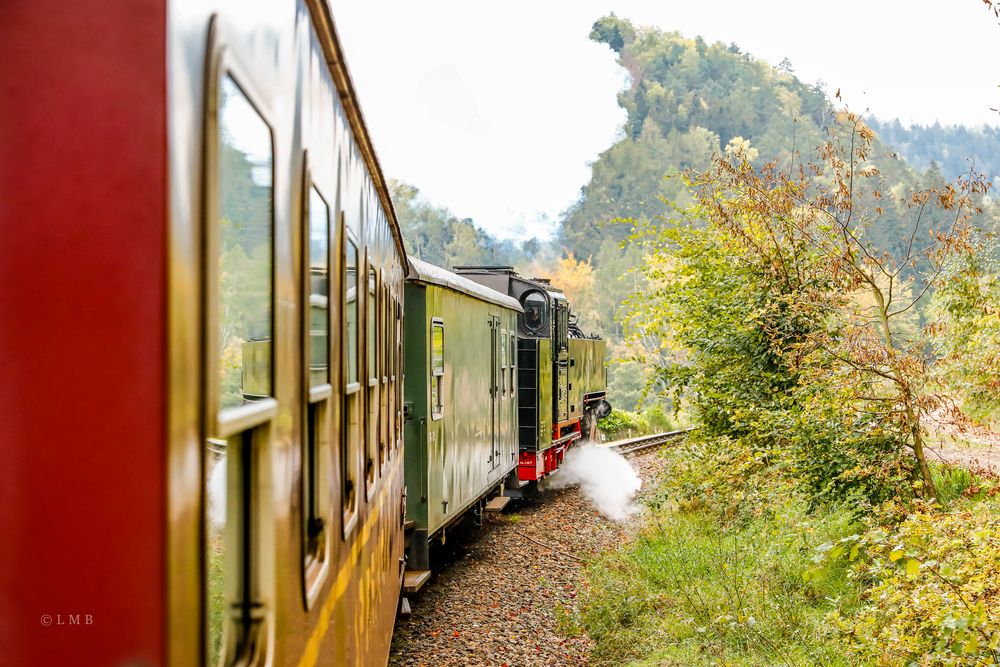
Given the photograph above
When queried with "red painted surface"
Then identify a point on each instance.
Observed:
(531, 467)
(527, 466)
(82, 331)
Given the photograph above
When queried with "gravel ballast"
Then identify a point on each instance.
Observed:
(494, 598)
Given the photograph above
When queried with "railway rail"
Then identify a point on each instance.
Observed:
(644, 442)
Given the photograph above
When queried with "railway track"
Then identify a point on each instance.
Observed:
(647, 441)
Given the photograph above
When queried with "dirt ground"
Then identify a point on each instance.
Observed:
(959, 442)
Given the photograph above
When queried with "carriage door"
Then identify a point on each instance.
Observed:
(496, 340)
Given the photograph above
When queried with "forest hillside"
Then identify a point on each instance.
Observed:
(686, 101)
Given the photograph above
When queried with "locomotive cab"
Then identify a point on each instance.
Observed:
(536, 313)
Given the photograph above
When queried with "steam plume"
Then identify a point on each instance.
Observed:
(606, 478)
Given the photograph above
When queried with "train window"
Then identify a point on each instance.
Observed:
(371, 310)
(502, 344)
(314, 491)
(536, 317)
(437, 369)
(399, 373)
(513, 364)
(371, 352)
(387, 401)
(319, 289)
(315, 440)
(351, 310)
(351, 417)
(390, 358)
(383, 347)
(244, 252)
(240, 234)
(384, 336)
(562, 326)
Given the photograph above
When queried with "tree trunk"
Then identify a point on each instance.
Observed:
(913, 424)
(912, 417)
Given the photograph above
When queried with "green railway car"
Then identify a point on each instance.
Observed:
(460, 399)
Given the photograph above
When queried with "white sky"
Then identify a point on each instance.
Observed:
(496, 109)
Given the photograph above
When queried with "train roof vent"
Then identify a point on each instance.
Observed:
(483, 269)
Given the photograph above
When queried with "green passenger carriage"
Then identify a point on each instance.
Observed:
(460, 399)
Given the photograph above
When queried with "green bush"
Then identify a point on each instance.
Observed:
(623, 424)
(966, 331)
(933, 595)
(658, 418)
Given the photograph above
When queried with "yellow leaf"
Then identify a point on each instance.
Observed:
(912, 567)
(895, 555)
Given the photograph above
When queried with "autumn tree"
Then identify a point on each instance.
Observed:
(821, 302)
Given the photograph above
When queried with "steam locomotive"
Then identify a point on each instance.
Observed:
(207, 373)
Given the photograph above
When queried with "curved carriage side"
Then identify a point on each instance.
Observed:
(285, 306)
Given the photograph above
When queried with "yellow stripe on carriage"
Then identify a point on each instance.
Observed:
(311, 653)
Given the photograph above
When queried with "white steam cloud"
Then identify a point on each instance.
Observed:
(606, 478)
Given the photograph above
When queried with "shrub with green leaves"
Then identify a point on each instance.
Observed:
(622, 423)
(739, 364)
(933, 586)
(966, 331)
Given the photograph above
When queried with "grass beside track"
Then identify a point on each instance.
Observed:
(691, 590)
(736, 566)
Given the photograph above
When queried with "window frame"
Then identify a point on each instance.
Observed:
(502, 371)
(370, 445)
(399, 371)
(352, 422)
(315, 464)
(246, 429)
(436, 376)
(544, 328)
(384, 443)
(513, 362)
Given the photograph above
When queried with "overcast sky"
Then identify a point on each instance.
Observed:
(496, 109)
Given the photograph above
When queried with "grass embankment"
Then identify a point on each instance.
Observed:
(737, 565)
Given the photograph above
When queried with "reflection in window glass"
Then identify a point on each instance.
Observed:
(535, 315)
(244, 231)
(513, 362)
(437, 369)
(216, 487)
(319, 289)
(351, 310)
(437, 348)
(245, 194)
(370, 308)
